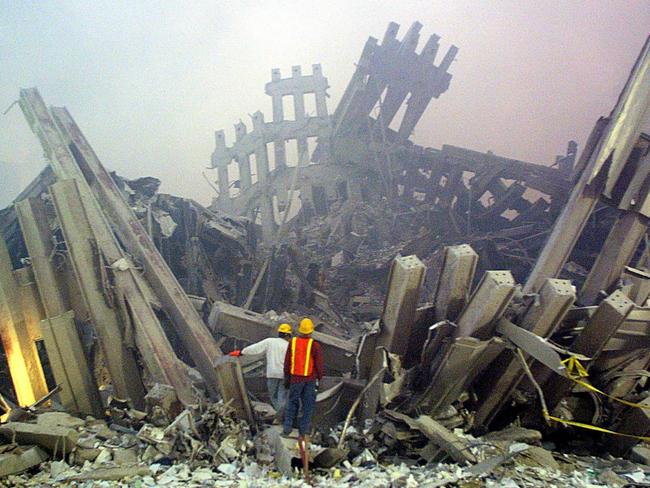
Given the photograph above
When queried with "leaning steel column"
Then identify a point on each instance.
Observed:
(83, 249)
(602, 164)
(22, 357)
(188, 324)
(602, 325)
(64, 349)
(542, 318)
(619, 248)
(397, 319)
(133, 292)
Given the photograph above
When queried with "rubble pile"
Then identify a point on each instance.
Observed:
(213, 447)
(482, 320)
(210, 253)
(125, 447)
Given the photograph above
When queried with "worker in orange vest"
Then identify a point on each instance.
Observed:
(303, 370)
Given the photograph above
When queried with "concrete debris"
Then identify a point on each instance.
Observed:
(163, 405)
(54, 439)
(474, 330)
(21, 459)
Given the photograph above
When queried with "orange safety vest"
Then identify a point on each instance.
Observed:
(302, 364)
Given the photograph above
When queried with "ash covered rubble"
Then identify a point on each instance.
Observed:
(482, 319)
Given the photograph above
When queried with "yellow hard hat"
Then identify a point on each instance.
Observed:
(285, 329)
(306, 326)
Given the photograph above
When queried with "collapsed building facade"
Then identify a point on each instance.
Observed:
(453, 288)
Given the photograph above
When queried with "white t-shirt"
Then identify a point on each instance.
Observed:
(275, 349)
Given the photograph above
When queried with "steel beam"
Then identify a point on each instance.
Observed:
(602, 325)
(233, 390)
(188, 324)
(134, 298)
(487, 304)
(618, 250)
(64, 350)
(22, 358)
(571, 221)
(463, 362)
(455, 281)
(602, 163)
(30, 302)
(541, 318)
(87, 264)
(69, 364)
(397, 319)
(239, 323)
(400, 305)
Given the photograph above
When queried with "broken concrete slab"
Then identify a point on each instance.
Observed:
(162, 404)
(55, 439)
(639, 454)
(514, 434)
(59, 419)
(21, 459)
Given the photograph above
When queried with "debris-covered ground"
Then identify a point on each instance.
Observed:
(212, 448)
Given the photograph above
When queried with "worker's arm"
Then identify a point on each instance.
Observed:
(257, 348)
(319, 369)
(287, 366)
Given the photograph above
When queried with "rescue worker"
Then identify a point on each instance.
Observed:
(274, 348)
(303, 370)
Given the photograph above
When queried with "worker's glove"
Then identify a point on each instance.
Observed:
(236, 353)
(317, 384)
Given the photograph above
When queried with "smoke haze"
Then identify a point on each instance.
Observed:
(149, 82)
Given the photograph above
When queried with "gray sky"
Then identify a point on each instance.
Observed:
(150, 81)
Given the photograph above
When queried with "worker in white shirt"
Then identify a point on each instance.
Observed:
(275, 349)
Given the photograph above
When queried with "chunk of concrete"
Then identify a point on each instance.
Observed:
(537, 457)
(163, 404)
(122, 456)
(55, 439)
(21, 459)
(59, 419)
(639, 454)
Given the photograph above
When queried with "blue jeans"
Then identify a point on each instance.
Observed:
(300, 393)
(278, 393)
